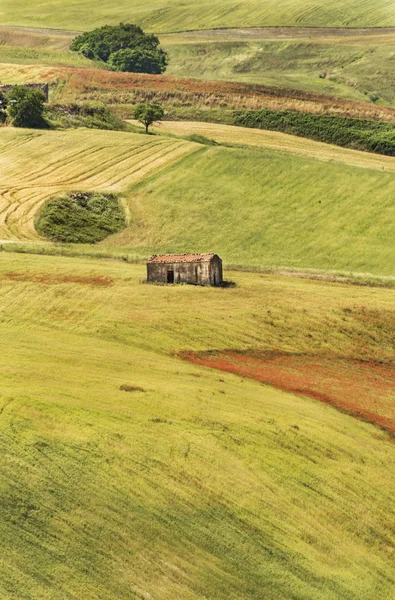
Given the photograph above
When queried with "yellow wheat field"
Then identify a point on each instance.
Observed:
(35, 166)
(274, 140)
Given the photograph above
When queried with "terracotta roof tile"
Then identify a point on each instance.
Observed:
(181, 258)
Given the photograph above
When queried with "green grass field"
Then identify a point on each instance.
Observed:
(358, 69)
(127, 472)
(303, 205)
(38, 165)
(204, 485)
(263, 207)
(356, 65)
(38, 56)
(175, 15)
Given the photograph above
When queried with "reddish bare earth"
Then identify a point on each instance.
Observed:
(47, 279)
(365, 390)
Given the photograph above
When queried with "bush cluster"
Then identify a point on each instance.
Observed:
(93, 115)
(81, 217)
(25, 107)
(124, 47)
(361, 134)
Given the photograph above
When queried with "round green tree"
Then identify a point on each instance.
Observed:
(147, 114)
(26, 107)
(124, 47)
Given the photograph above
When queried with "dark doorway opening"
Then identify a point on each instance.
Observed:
(170, 276)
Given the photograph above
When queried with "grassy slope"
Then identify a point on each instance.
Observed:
(175, 15)
(356, 65)
(232, 135)
(20, 55)
(354, 69)
(255, 206)
(204, 486)
(37, 165)
(262, 207)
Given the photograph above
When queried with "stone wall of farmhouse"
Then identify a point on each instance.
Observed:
(199, 273)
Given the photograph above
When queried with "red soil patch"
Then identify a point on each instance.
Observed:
(47, 279)
(365, 390)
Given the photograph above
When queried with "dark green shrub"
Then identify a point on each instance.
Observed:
(26, 107)
(373, 136)
(3, 107)
(125, 47)
(81, 217)
(94, 115)
(138, 60)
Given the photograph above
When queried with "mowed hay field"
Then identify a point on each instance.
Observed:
(37, 165)
(261, 207)
(274, 140)
(306, 205)
(176, 15)
(186, 483)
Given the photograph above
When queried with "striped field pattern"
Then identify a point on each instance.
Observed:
(179, 15)
(35, 166)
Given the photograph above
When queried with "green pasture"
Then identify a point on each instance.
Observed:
(178, 15)
(358, 71)
(20, 55)
(356, 68)
(261, 207)
(203, 485)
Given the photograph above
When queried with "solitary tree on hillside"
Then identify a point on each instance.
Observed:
(26, 107)
(148, 114)
(124, 47)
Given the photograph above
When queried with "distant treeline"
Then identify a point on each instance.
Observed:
(361, 134)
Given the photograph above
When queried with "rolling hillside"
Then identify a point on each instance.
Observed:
(353, 64)
(262, 199)
(128, 473)
(173, 442)
(35, 166)
(265, 207)
(347, 63)
(177, 15)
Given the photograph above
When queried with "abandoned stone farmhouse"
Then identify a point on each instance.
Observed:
(196, 269)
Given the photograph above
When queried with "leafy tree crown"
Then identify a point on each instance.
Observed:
(125, 47)
(26, 107)
(148, 114)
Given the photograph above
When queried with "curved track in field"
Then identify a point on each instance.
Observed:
(36, 166)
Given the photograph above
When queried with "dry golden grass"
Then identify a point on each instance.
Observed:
(35, 166)
(229, 134)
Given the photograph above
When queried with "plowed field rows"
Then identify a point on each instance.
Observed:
(36, 166)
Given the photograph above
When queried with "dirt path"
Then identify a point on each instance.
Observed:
(330, 34)
(364, 35)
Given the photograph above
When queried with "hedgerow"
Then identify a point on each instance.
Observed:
(361, 134)
(94, 115)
